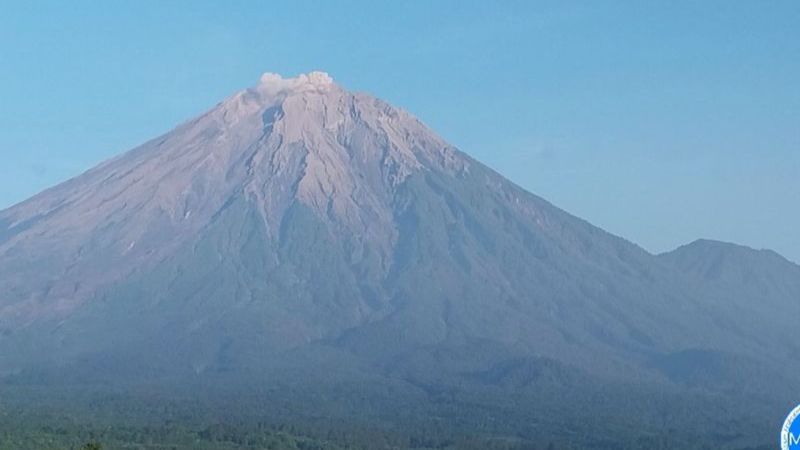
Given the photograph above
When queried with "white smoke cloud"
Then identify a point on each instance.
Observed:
(272, 84)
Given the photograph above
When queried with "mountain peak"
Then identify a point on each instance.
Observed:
(732, 262)
(717, 247)
(284, 144)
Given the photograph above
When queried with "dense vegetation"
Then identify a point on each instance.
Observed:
(272, 437)
(239, 436)
(167, 437)
(44, 420)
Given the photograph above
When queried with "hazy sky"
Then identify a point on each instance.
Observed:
(661, 121)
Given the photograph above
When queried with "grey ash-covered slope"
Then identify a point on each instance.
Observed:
(299, 221)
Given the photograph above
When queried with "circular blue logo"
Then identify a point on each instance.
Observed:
(790, 434)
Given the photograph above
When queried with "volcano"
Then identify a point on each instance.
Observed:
(302, 238)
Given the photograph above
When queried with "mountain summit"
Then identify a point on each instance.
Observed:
(301, 233)
(286, 142)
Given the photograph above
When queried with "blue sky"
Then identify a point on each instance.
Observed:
(661, 121)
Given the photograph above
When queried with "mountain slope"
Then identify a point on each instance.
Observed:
(297, 226)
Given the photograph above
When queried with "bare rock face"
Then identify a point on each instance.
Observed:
(297, 218)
